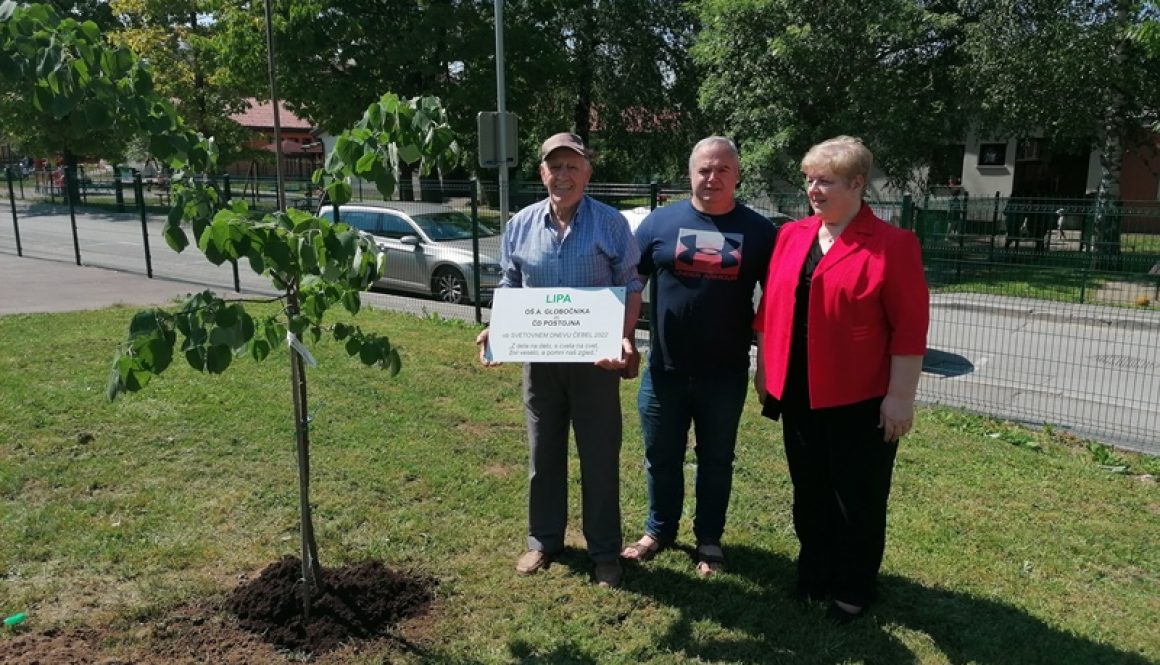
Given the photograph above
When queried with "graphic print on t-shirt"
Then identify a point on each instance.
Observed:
(708, 254)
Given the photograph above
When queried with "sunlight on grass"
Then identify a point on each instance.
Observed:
(116, 513)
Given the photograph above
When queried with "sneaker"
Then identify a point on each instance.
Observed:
(608, 573)
(532, 562)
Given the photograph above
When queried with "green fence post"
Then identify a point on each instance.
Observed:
(654, 195)
(994, 227)
(70, 187)
(920, 222)
(907, 221)
(139, 194)
(118, 189)
(15, 222)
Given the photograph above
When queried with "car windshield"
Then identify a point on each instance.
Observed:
(449, 225)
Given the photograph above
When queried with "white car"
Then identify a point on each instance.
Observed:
(428, 248)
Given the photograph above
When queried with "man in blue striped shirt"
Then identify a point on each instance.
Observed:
(572, 240)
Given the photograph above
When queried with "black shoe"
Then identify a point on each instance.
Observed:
(841, 617)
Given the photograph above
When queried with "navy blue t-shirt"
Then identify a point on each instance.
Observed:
(702, 272)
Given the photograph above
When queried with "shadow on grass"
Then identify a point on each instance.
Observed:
(761, 624)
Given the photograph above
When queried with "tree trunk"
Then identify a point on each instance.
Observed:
(311, 569)
(1106, 233)
(584, 66)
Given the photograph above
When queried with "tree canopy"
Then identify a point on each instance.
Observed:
(782, 75)
(179, 39)
(65, 90)
(621, 67)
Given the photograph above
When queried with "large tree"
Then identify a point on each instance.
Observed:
(66, 91)
(1078, 74)
(621, 67)
(190, 64)
(782, 75)
(618, 73)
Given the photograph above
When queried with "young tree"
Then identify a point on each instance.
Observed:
(316, 265)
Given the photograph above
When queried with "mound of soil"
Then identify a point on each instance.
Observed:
(358, 601)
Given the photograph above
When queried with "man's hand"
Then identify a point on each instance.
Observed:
(481, 341)
(631, 361)
(627, 352)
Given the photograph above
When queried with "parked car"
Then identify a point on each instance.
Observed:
(428, 248)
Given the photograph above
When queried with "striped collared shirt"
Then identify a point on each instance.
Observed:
(598, 249)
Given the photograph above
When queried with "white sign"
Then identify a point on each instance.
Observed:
(564, 325)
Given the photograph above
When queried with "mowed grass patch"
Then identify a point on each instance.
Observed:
(1005, 545)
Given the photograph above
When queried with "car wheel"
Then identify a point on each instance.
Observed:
(449, 286)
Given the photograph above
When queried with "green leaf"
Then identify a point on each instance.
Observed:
(90, 30)
(218, 359)
(259, 349)
(155, 356)
(365, 163)
(342, 331)
(394, 363)
(351, 301)
(410, 153)
(144, 323)
(353, 345)
(369, 354)
(228, 315)
(175, 237)
(339, 192)
(132, 376)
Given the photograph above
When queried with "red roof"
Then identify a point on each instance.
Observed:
(260, 115)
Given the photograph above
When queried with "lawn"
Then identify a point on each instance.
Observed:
(1005, 545)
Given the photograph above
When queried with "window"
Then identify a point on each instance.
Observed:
(394, 227)
(946, 166)
(992, 154)
(361, 220)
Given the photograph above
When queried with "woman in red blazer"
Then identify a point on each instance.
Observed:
(841, 335)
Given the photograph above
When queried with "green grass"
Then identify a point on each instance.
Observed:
(1006, 545)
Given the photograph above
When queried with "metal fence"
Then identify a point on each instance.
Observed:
(1031, 320)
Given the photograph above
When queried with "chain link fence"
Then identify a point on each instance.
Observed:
(1036, 316)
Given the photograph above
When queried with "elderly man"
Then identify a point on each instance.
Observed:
(704, 257)
(572, 240)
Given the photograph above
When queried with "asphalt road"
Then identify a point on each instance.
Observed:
(1089, 369)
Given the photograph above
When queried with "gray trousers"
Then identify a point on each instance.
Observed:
(586, 397)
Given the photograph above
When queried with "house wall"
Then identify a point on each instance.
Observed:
(985, 180)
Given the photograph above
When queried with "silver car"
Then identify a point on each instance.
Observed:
(428, 247)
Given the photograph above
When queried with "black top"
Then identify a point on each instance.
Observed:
(796, 395)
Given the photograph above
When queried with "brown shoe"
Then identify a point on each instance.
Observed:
(608, 573)
(532, 562)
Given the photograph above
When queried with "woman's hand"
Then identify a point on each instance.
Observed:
(895, 417)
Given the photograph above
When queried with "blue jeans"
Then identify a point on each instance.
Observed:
(668, 403)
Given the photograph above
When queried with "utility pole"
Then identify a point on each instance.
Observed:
(501, 106)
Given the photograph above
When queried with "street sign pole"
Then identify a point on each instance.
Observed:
(501, 106)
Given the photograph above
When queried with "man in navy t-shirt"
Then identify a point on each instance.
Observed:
(703, 258)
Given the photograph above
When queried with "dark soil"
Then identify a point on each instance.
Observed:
(261, 624)
(359, 601)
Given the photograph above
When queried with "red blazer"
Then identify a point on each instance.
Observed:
(868, 302)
